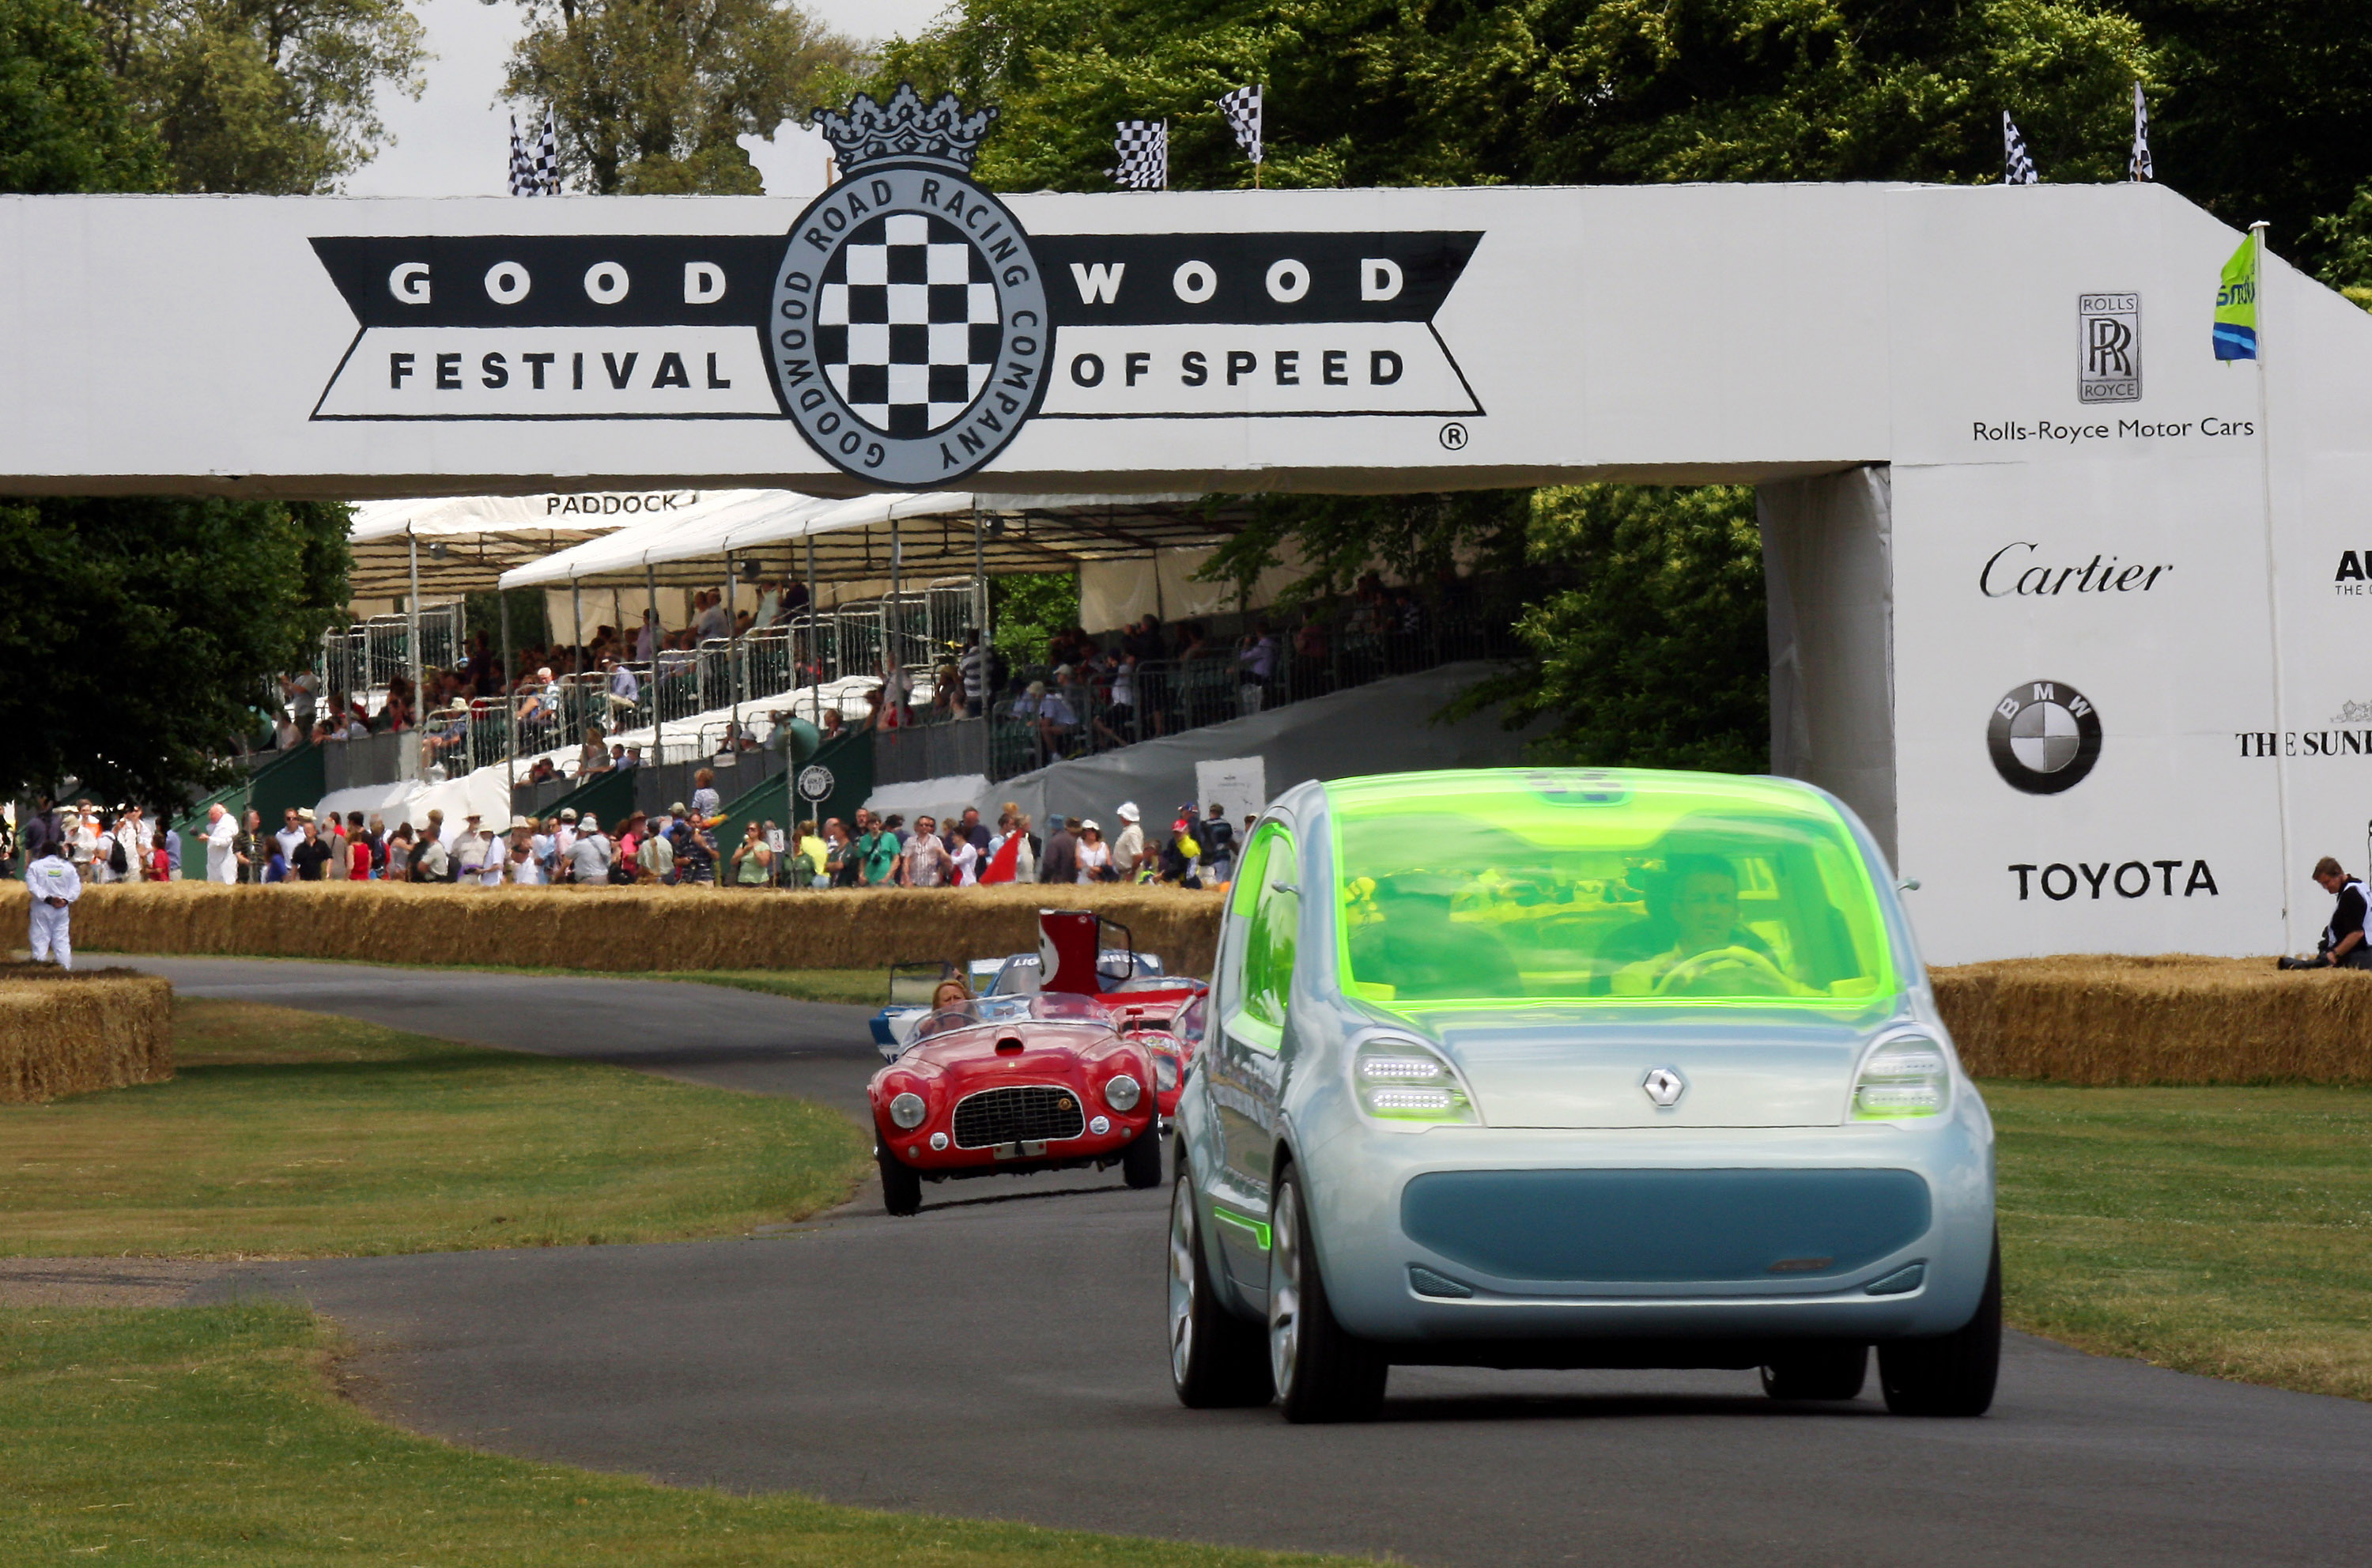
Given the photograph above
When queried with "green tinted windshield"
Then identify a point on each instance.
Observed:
(1488, 886)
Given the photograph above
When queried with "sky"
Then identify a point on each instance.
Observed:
(456, 140)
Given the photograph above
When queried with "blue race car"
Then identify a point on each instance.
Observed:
(1565, 1068)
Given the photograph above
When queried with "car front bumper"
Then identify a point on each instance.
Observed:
(1386, 1283)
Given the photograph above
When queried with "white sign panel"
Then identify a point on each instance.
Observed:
(1239, 784)
(2127, 704)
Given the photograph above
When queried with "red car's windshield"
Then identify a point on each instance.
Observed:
(1043, 1008)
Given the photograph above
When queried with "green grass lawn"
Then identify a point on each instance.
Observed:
(2226, 1231)
(193, 1435)
(299, 1134)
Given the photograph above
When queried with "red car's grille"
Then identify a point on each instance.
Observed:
(1031, 1113)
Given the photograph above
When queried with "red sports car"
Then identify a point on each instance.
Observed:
(1013, 1083)
(1165, 1013)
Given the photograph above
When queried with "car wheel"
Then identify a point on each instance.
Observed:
(901, 1185)
(1818, 1372)
(1321, 1373)
(1952, 1374)
(1140, 1163)
(1217, 1359)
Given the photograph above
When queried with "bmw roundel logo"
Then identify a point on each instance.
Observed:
(2044, 737)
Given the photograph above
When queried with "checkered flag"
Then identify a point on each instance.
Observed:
(1144, 148)
(546, 172)
(2142, 168)
(2018, 164)
(520, 171)
(1241, 108)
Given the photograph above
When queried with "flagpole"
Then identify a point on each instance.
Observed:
(2272, 579)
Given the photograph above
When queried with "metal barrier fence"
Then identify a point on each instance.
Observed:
(361, 657)
(1109, 706)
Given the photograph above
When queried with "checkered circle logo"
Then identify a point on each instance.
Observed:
(908, 328)
(910, 336)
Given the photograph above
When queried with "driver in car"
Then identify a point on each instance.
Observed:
(1711, 954)
(950, 1008)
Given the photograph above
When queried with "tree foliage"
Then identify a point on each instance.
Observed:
(274, 96)
(139, 634)
(143, 633)
(1655, 653)
(1462, 92)
(651, 95)
(62, 122)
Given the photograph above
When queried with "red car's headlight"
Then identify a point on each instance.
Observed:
(907, 1110)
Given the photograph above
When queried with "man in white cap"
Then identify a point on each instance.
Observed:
(1128, 849)
(222, 832)
(564, 837)
(588, 857)
(54, 885)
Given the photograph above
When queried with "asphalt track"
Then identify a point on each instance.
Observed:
(1000, 1355)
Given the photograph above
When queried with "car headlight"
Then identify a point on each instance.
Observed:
(1905, 1076)
(1164, 1073)
(907, 1110)
(1399, 1080)
(1121, 1092)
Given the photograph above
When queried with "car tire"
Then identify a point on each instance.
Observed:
(1949, 1375)
(1818, 1372)
(1218, 1361)
(901, 1185)
(1140, 1163)
(1322, 1373)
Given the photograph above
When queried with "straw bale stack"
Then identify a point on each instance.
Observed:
(619, 928)
(2175, 1019)
(68, 1034)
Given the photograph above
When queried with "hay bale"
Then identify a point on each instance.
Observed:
(69, 1034)
(620, 928)
(2172, 1018)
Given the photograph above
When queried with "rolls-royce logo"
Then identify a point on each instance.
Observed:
(2111, 348)
(1664, 1086)
(909, 337)
(2044, 737)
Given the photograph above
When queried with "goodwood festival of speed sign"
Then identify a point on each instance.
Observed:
(906, 325)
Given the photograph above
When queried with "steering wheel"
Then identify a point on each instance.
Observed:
(1733, 971)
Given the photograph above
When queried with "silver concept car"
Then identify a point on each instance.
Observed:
(1538, 1068)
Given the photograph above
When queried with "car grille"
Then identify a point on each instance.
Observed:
(1028, 1114)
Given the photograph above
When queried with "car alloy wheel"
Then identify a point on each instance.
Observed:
(1217, 1359)
(1321, 1373)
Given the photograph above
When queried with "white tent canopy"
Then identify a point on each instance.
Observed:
(1023, 533)
(465, 542)
(668, 539)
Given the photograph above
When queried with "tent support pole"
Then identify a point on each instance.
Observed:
(651, 587)
(980, 608)
(412, 632)
(815, 699)
(897, 650)
(510, 712)
(733, 649)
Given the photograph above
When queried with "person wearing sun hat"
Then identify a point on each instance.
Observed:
(1128, 847)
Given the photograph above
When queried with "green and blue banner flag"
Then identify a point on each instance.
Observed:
(2236, 305)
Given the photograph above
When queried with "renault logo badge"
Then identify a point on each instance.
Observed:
(1664, 1086)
